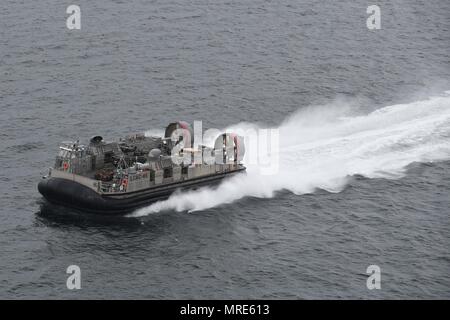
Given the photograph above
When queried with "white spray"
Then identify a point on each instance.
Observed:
(321, 147)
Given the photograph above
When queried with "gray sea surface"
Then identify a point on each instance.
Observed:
(138, 65)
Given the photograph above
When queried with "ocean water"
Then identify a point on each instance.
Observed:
(364, 161)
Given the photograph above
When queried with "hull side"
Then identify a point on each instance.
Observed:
(72, 194)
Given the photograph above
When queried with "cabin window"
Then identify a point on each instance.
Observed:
(58, 163)
(108, 157)
(168, 173)
(152, 175)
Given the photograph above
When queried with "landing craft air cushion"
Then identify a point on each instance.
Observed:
(120, 176)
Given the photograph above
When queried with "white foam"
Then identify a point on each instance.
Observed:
(321, 147)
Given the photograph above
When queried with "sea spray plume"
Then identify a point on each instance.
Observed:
(322, 152)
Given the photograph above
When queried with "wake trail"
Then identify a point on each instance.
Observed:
(321, 147)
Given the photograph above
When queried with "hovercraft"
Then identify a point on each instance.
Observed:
(118, 177)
